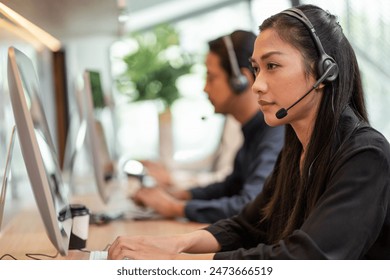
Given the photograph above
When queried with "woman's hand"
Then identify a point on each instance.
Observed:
(164, 247)
(143, 248)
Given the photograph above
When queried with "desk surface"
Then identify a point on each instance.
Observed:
(25, 234)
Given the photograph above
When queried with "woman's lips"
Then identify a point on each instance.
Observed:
(263, 103)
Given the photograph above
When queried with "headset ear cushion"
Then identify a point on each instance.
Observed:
(239, 84)
(324, 64)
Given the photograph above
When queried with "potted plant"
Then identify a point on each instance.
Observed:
(152, 70)
(154, 66)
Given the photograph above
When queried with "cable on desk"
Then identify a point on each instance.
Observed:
(7, 255)
(31, 256)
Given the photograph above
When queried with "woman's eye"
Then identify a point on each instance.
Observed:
(255, 70)
(271, 66)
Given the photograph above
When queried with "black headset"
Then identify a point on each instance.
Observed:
(325, 61)
(238, 81)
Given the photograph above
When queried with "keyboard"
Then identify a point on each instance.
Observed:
(98, 255)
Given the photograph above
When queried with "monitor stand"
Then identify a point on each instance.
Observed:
(6, 175)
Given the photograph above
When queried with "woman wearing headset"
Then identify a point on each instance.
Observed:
(328, 196)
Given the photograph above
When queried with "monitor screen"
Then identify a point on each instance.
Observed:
(38, 151)
(96, 89)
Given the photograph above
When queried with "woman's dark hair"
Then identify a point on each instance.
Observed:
(295, 192)
(243, 42)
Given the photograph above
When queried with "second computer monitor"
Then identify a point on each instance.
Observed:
(103, 167)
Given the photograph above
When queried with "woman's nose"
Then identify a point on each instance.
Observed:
(259, 86)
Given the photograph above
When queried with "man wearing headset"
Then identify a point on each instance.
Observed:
(228, 85)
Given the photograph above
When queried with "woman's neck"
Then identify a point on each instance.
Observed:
(304, 129)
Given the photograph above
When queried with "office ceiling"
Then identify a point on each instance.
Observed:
(65, 19)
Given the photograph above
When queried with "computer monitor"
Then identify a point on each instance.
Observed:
(38, 151)
(103, 166)
(6, 175)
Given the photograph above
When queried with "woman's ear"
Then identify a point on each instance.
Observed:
(321, 86)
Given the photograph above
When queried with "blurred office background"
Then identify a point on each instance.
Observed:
(75, 35)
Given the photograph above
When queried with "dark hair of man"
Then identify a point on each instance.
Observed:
(243, 42)
(292, 193)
